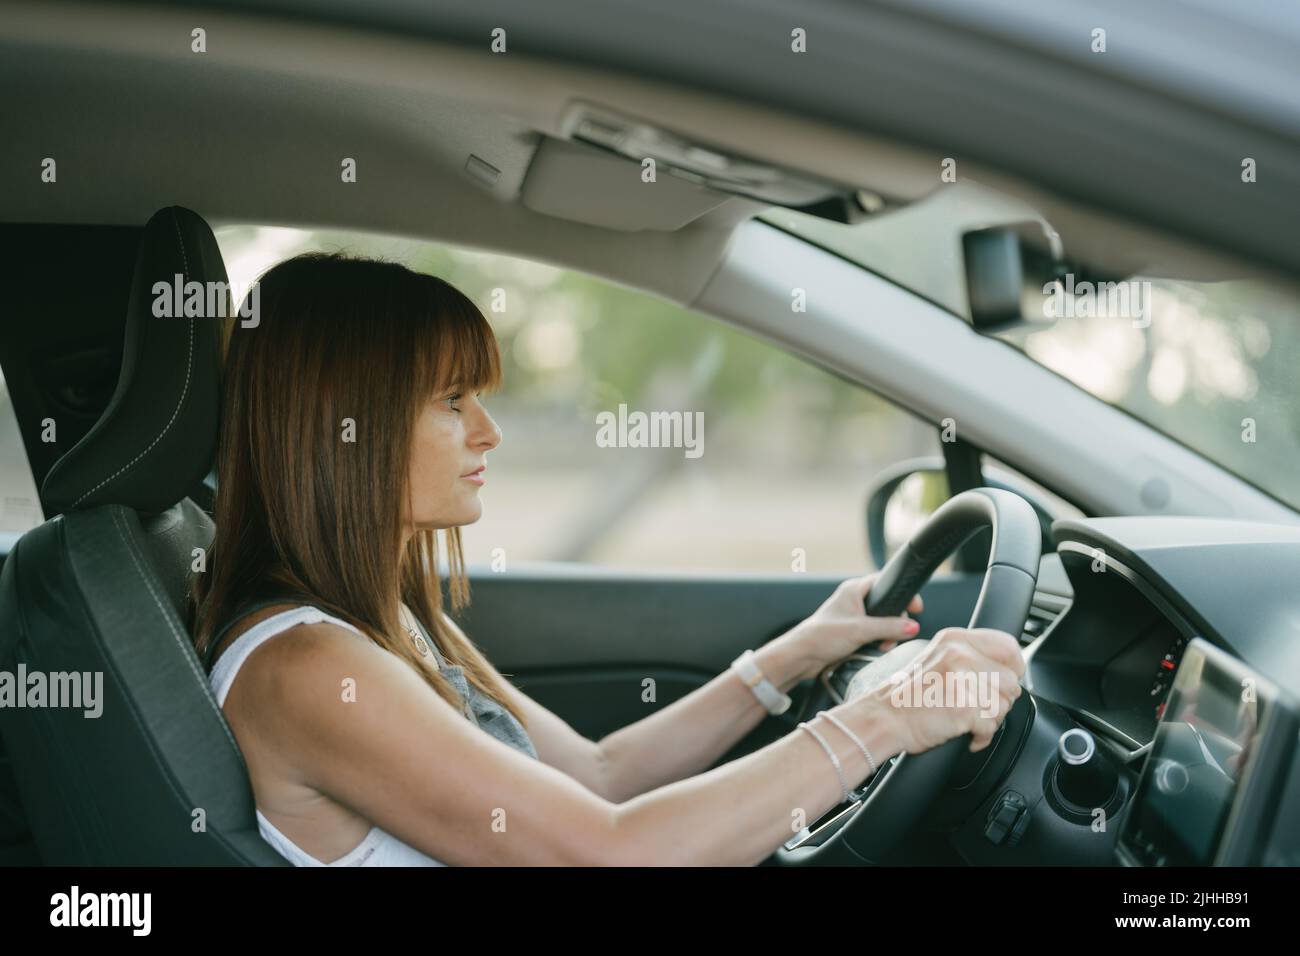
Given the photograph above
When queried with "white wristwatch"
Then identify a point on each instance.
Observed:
(747, 668)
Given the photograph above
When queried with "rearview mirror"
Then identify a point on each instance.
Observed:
(1011, 271)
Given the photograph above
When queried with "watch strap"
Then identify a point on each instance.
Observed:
(772, 699)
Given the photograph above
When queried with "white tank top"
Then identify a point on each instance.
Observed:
(377, 848)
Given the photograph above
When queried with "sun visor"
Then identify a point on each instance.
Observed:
(585, 184)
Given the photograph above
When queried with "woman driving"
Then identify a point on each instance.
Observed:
(374, 730)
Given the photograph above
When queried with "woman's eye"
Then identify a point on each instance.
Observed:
(452, 400)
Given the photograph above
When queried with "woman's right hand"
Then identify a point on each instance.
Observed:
(964, 681)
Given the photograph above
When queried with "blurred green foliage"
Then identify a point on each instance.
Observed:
(625, 337)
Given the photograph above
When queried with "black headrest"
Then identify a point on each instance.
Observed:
(156, 438)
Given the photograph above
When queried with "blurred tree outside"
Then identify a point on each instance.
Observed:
(1215, 369)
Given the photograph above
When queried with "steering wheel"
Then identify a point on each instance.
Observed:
(873, 824)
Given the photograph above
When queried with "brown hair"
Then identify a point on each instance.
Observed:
(299, 509)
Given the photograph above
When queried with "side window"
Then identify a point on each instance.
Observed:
(20, 505)
(640, 435)
(769, 471)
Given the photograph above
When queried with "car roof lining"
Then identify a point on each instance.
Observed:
(256, 128)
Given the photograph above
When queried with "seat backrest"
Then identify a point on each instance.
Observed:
(129, 761)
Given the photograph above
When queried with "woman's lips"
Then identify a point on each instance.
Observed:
(475, 476)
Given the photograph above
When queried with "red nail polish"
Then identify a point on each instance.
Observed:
(911, 627)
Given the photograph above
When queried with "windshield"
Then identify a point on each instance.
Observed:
(1213, 365)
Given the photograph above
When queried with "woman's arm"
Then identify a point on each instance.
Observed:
(702, 726)
(705, 724)
(360, 726)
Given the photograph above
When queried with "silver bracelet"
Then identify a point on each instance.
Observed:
(871, 761)
(835, 761)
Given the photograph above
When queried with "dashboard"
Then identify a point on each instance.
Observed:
(1162, 720)
(1137, 617)
(1112, 655)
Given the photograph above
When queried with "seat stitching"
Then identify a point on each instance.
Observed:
(189, 367)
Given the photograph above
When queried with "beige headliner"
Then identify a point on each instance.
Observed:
(255, 129)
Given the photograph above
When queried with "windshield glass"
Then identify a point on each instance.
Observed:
(1211, 364)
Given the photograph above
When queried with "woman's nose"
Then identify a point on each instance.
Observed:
(489, 435)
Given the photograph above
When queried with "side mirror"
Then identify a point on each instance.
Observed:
(903, 496)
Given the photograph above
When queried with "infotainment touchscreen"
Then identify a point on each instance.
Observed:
(1212, 727)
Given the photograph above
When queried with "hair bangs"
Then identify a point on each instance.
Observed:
(459, 349)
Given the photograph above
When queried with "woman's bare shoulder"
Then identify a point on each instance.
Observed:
(246, 624)
(310, 647)
(290, 669)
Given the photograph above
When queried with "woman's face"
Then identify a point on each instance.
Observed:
(453, 435)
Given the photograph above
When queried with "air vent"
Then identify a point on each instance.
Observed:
(1043, 612)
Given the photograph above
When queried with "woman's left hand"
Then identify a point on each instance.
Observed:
(841, 625)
